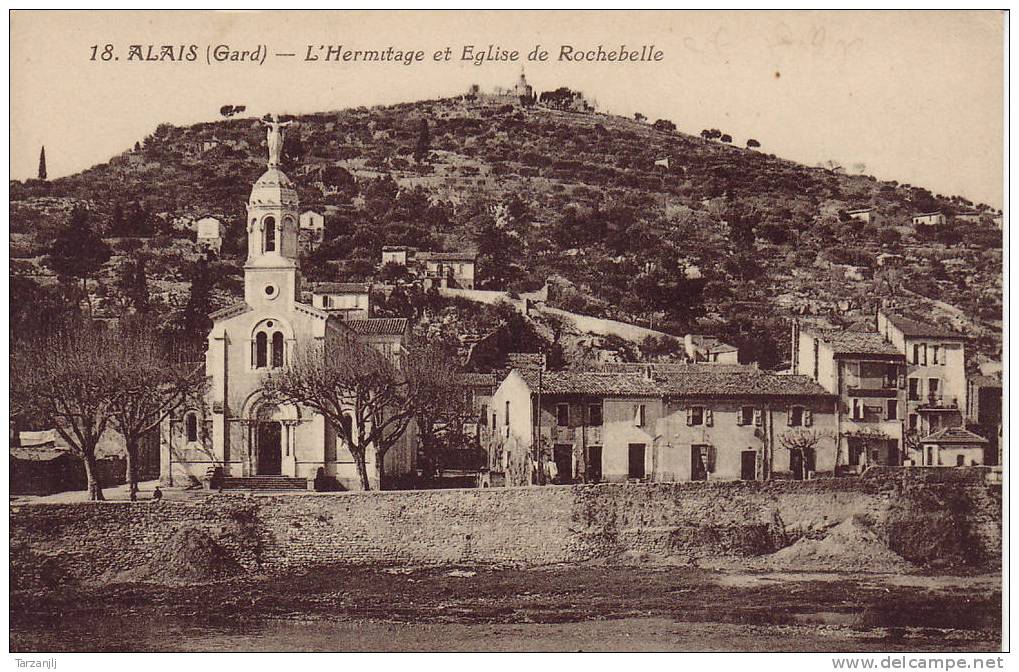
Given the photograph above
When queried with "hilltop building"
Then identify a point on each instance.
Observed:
(312, 231)
(238, 431)
(929, 218)
(209, 233)
(865, 215)
(443, 270)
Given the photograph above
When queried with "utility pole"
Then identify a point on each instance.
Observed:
(539, 476)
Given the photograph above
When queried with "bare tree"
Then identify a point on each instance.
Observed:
(438, 402)
(802, 443)
(151, 378)
(362, 393)
(65, 380)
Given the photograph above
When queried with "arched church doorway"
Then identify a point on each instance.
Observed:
(269, 448)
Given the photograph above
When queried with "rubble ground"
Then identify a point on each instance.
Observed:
(564, 607)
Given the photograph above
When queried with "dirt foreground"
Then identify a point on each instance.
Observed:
(632, 607)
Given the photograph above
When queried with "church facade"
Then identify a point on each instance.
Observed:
(238, 431)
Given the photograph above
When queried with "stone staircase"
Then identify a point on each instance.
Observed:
(264, 483)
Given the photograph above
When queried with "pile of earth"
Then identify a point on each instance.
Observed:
(190, 556)
(851, 546)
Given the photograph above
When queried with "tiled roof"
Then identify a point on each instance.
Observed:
(734, 381)
(712, 344)
(446, 256)
(953, 435)
(378, 326)
(915, 328)
(525, 360)
(596, 383)
(844, 342)
(667, 368)
(47, 444)
(229, 311)
(341, 288)
(469, 379)
(681, 380)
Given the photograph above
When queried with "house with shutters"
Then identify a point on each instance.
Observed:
(935, 371)
(349, 300)
(949, 447)
(868, 375)
(679, 422)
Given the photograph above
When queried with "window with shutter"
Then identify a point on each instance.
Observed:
(808, 418)
(709, 419)
(710, 461)
(689, 417)
(638, 415)
(758, 417)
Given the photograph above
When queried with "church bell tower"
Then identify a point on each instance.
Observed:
(272, 269)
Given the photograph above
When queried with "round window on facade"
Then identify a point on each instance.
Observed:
(271, 291)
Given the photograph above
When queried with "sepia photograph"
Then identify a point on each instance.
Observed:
(508, 331)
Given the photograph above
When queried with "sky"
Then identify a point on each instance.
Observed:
(914, 96)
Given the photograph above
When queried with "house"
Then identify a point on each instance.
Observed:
(865, 215)
(688, 422)
(701, 348)
(346, 299)
(388, 335)
(929, 219)
(43, 463)
(399, 255)
(868, 375)
(209, 233)
(949, 447)
(936, 371)
(252, 439)
(969, 216)
(453, 270)
(312, 230)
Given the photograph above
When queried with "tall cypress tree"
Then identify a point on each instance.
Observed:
(42, 163)
(78, 251)
(196, 322)
(424, 142)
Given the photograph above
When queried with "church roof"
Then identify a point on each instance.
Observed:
(273, 188)
(229, 311)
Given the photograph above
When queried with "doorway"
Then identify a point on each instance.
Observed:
(270, 449)
(636, 461)
(698, 470)
(563, 456)
(594, 464)
(748, 465)
(802, 463)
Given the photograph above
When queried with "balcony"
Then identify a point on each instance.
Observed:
(937, 402)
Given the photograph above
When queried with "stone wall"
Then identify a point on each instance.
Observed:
(530, 526)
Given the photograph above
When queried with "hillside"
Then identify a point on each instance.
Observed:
(721, 240)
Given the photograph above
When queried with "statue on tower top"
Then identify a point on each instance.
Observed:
(274, 138)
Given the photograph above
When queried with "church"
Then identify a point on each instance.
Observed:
(237, 433)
